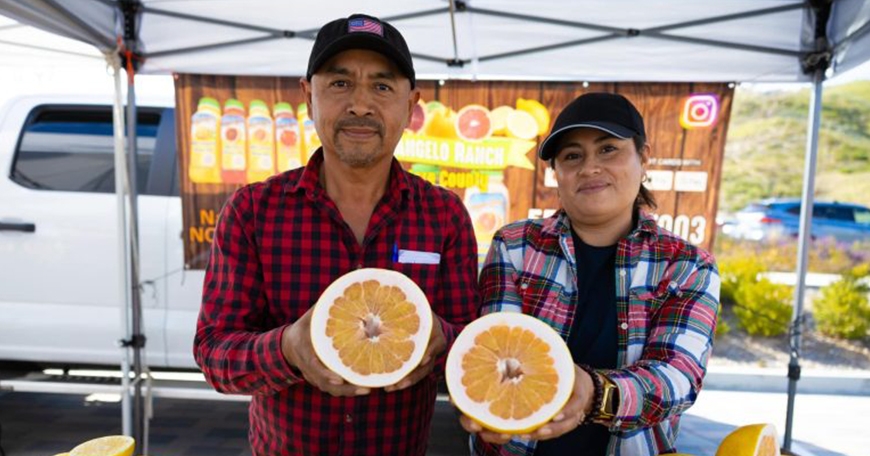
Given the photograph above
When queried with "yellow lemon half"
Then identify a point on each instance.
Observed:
(750, 440)
(113, 445)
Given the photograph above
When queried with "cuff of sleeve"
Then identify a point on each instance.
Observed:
(271, 362)
(630, 408)
(449, 336)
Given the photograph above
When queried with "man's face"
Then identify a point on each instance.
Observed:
(360, 103)
(599, 175)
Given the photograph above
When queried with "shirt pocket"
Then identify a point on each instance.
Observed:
(539, 295)
(426, 276)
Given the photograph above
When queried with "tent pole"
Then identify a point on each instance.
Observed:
(804, 236)
(130, 10)
(123, 245)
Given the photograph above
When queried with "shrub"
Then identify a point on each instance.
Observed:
(763, 308)
(737, 270)
(842, 310)
(722, 326)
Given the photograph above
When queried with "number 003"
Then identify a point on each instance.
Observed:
(691, 230)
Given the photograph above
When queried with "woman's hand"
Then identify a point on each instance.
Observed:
(572, 414)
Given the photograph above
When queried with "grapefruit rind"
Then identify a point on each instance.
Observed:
(323, 344)
(479, 411)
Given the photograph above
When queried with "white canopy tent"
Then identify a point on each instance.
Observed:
(589, 40)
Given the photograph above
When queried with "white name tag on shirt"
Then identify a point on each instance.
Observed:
(418, 257)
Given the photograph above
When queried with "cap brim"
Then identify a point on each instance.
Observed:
(548, 147)
(367, 41)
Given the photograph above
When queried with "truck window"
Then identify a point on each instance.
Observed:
(70, 148)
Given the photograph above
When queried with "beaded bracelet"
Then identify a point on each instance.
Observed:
(598, 395)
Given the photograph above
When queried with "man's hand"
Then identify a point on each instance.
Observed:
(436, 346)
(575, 410)
(298, 351)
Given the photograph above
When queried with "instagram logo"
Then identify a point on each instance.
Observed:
(700, 110)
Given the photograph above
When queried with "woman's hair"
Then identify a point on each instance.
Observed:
(644, 195)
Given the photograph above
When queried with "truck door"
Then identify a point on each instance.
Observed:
(59, 259)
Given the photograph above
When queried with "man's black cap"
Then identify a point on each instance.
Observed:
(359, 31)
(608, 112)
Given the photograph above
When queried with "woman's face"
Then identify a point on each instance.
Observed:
(599, 176)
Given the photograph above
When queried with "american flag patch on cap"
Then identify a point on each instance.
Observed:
(365, 25)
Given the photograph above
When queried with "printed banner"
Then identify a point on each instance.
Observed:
(477, 139)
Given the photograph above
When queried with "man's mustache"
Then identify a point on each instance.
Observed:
(360, 122)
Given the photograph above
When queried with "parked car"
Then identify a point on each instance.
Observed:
(59, 282)
(778, 218)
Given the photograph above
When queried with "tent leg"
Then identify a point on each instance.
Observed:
(138, 339)
(804, 237)
(123, 244)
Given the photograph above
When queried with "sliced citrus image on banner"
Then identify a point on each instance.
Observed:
(113, 445)
(473, 123)
(509, 372)
(750, 440)
(499, 117)
(538, 111)
(371, 326)
(522, 125)
(419, 116)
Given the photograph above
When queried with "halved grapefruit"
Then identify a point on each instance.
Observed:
(750, 440)
(509, 372)
(473, 123)
(371, 326)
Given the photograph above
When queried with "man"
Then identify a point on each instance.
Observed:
(280, 243)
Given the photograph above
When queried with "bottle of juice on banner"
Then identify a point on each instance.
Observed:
(261, 142)
(205, 167)
(287, 140)
(310, 140)
(233, 143)
(488, 208)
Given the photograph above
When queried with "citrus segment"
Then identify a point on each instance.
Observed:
(371, 327)
(473, 123)
(509, 372)
(750, 440)
(113, 445)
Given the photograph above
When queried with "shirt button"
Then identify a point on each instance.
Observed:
(622, 272)
(359, 266)
(524, 286)
(624, 326)
(348, 418)
(618, 423)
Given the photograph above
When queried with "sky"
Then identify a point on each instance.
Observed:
(49, 64)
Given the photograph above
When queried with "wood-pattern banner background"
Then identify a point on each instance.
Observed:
(686, 164)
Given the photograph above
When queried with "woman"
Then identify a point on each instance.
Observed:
(636, 304)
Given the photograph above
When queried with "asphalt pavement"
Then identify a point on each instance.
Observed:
(42, 424)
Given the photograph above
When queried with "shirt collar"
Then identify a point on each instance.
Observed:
(309, 181)
(559, 224)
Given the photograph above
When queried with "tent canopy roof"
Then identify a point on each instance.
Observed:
(594, 40)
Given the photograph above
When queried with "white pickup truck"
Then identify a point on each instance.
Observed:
(59, 292)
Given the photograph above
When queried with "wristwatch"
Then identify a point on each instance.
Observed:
(609, 400)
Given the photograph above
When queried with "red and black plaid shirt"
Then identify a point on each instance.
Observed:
(277, 245)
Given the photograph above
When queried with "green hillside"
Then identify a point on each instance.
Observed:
(764, 152)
